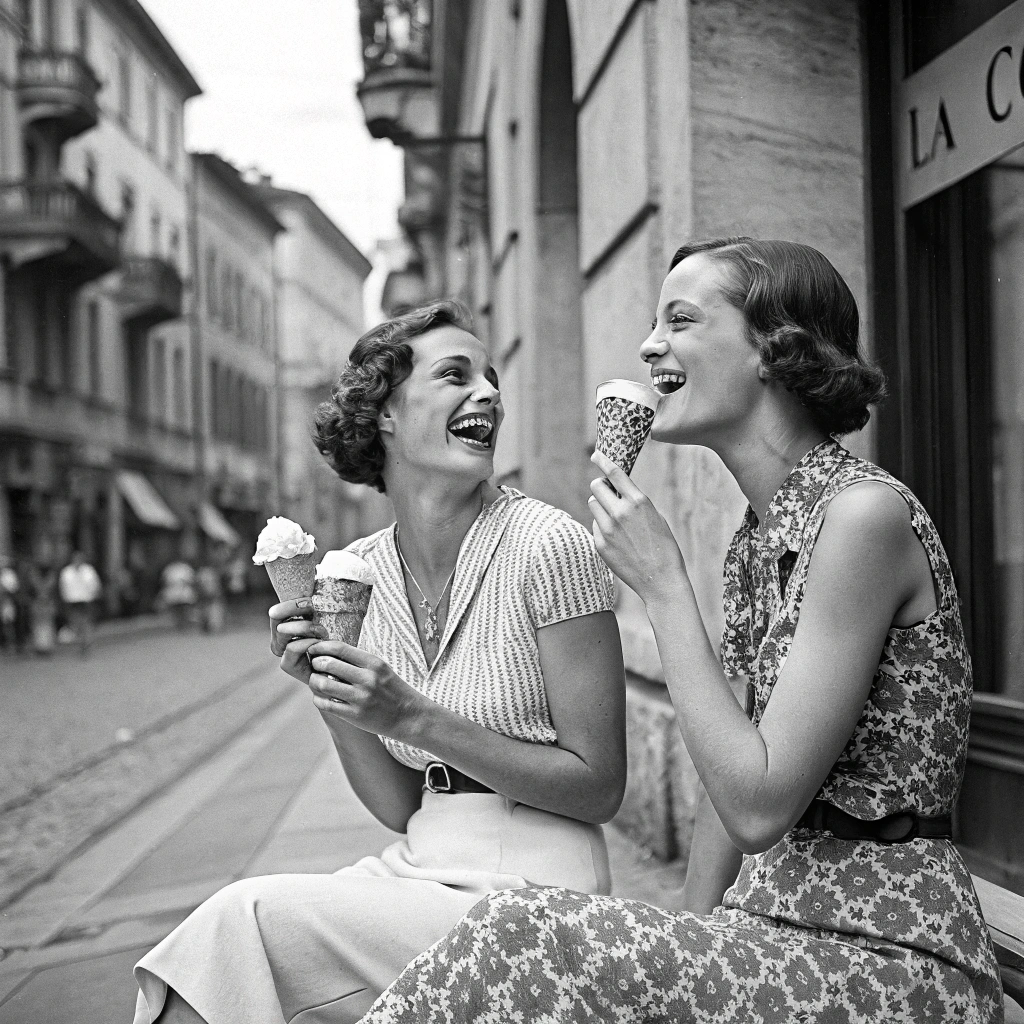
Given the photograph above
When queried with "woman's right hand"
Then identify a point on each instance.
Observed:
(292, 633)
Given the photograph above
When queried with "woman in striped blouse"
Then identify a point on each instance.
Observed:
(482, 714)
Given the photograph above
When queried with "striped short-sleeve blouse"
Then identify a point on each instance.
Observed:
(523, 565)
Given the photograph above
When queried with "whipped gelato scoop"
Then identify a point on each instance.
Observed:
(343, 565)
(281, 538)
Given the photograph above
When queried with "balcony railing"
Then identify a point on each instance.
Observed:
(150, 290)
(58, 88)
(57, 222)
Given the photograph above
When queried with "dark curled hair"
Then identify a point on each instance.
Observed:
(345, 429)
(802, 318)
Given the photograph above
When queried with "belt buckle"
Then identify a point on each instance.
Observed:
(444, 786)
(900, 827)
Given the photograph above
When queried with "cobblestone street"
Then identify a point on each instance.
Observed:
(108, 841)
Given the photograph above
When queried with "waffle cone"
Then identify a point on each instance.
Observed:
(293, 577)
(339, 607)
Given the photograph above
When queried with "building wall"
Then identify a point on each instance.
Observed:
(237, 376)
(703, 119)
(320, 317)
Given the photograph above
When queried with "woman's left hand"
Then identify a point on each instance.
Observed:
(631, 535)
(361, 689)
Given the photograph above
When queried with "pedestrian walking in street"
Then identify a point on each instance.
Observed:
(10, 585)
(178, 591)
(42, 606)
(483, 714)
(852, 903)
(80, 589)
(210, 594)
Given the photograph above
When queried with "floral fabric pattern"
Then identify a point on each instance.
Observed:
(816, 929)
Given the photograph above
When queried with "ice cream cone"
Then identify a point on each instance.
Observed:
(341, 596)
(625, 412)
(293, 577)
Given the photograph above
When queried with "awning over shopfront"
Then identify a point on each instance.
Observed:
(216, 527)
(145, 501)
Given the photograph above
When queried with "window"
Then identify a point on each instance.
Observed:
(92, 347)
(212, 309)
(155, 227)
(128, 218)
(239, 304)
(160, 380)
(152, 116)
(213, 387)
(82, 30)
(173, 139)
(48, 25)
(174, 247)
(227, 296)
(90, 173)
(124, 85)
(178, 379)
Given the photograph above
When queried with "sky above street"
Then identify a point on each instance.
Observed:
(279, 93)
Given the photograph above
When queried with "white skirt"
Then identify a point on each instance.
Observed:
(319, 949)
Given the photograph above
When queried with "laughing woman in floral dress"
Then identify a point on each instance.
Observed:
(851, 904)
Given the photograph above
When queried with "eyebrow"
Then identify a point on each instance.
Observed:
(491, 374)
(687, 307)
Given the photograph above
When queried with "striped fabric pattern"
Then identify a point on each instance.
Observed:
(523, 565)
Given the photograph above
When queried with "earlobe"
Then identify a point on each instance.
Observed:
(386, 421)
(762, 371)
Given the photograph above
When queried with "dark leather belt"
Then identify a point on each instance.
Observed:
(900, 827)
(439, 777)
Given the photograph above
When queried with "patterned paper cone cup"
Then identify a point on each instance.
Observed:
(339, 607)
(625, 411)
(292, 577)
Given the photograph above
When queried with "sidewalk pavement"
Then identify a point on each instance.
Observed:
(274, 800)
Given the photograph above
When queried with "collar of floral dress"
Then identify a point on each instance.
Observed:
(788, 512)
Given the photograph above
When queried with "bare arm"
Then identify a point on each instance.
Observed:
(865, 566)
(714, 860)
(582, 777)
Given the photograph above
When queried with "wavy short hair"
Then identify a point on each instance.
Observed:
(345, 429)
(802, 318)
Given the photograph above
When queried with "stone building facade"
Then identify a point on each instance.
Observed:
(95, 404)
(559, 151)
(320, 276)
(235, 346)
(139, 342)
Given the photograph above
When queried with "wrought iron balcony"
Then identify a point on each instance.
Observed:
(397, 92)
(56, 222)
(150, 291)
(58, 90)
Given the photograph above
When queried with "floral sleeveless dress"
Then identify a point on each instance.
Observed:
(816, 929)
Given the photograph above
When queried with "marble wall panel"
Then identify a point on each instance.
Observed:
(506, 315)
(593, 24)
(794, 64)
(502, 167)
(618, 304)
(508, 455)
(613, 146)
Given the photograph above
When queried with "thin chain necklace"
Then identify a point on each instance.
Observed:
(430, 628)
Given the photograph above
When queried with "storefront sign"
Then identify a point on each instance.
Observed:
(962, 110)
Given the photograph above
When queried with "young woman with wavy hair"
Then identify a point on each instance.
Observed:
(827, 804)
(482, 714)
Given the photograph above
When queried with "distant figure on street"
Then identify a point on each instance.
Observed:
(42, 606)
(80, 589)
(236, 577)
(178, 590)
(10, 585)
(211, 598)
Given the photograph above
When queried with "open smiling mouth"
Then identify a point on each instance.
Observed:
(474, 431)
(667, 383)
